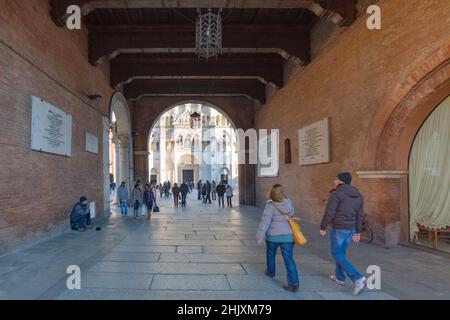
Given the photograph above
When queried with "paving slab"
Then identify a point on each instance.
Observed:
(131, 257)
(190, 282)
(116, 280)
(189, 249)
(168, 268)
(144, 248)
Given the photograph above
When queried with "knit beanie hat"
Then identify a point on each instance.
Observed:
(345, 177)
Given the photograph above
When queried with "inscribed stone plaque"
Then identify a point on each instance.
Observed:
(314, 143)
(91, 143)
(51, 128)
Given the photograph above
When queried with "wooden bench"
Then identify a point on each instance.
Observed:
(433, 234)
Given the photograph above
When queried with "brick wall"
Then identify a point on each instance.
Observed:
(347, 81)
(37, 190)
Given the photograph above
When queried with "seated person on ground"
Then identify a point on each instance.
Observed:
(80, 216)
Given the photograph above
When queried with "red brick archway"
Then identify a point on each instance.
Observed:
(392, 135)
(239, 110)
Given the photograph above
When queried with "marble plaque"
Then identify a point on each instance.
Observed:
(51, 128)
(314, 143)
(91, 143)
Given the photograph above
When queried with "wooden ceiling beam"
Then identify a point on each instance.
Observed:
(285, 40)
(244, 87)
(125, 69)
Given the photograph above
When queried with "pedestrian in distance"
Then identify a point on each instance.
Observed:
(208, 192)
(176, 194)
(122, 193)
(213, 190)
(136, 198)
(199, 189)
(184, 190)
(229, 193)
(149, 199)
(221, 194)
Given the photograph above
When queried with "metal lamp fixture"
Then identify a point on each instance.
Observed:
(209, 34)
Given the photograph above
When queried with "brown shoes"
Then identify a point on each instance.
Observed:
(290, 288)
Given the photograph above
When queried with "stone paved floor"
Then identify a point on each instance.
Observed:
(203, 252)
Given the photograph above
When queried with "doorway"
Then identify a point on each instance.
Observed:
(188, 175)
(429, 181)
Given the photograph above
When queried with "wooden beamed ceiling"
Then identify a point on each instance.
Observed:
(151, 44)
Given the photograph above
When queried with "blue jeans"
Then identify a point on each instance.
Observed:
(78, 222)
(124, 207)
(183, 199)
(340, 240)
(287, 249)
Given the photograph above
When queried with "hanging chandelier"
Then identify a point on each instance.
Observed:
(209, 34)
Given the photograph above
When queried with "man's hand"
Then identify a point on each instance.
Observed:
(357, 237)
(260, 242)
(323, 232)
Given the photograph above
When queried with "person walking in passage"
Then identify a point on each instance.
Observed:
(229, 193)
(275, 228)
(199, 189)
(149, 199)
(208, 192)
(184, 190)
(161, 190)
(122, 193)
(345, 212)
(220, 194)
(136, 198)
(213, 190)
(176, 194)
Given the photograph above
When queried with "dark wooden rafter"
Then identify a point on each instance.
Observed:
(289, 41)
(127, 68)
(221, 87)
(343, 12)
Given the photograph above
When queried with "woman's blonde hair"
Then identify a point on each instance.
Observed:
(276, 193)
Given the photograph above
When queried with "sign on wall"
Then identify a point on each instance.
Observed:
(51, 128)
(314, 143)
(91, 143)
(268, 155)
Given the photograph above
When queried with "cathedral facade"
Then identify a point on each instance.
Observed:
(185, 148)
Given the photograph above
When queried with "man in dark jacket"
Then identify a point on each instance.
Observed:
(345, 212)
(220, 189)
(208, 192)
(199, 189)
(80, 216)
(184, 189)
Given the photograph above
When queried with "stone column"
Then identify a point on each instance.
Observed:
(124, 158)
(117, 176)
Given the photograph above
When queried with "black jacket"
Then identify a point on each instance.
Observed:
(345, 209)
(184, 188)
(220, 189)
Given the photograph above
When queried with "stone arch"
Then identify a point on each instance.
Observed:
(121, 139)
(182, 102)
(240, 112)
